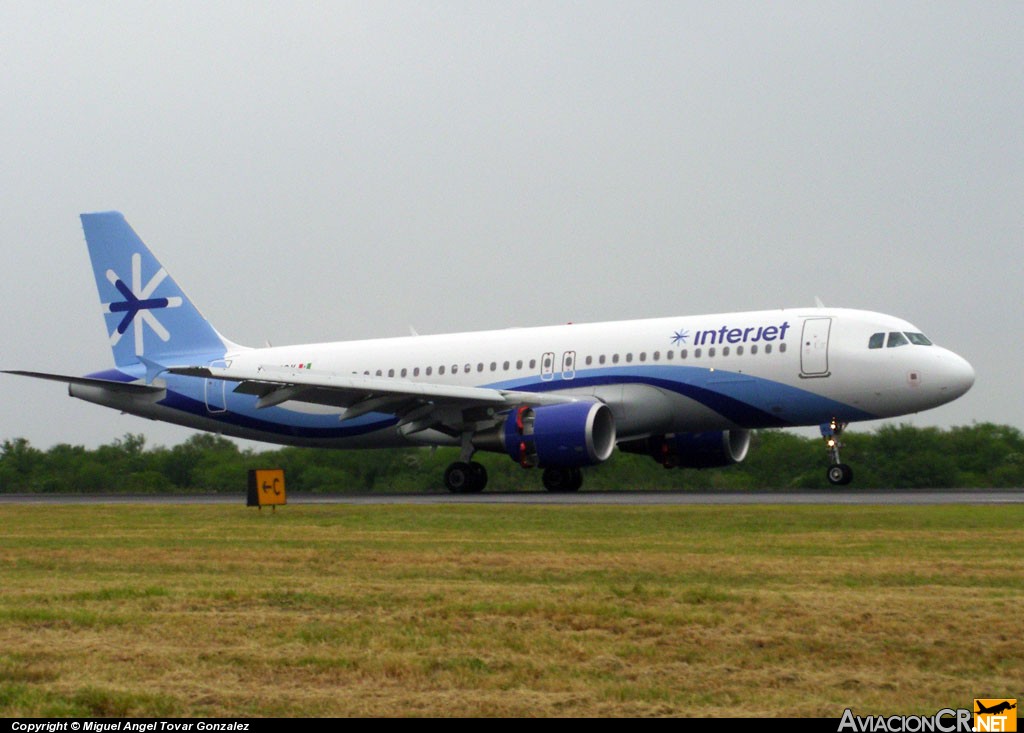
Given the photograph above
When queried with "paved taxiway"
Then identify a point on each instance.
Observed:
(625, 498)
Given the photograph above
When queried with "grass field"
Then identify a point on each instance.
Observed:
(503, 610)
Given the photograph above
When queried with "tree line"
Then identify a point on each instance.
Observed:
(983, 455)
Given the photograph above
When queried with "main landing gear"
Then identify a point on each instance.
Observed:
(465, 477)
(470, 477)
(839, 474)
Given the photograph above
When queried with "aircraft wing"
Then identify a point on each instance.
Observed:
(422, 403)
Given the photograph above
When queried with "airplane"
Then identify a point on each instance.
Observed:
(686, 391)
(1001, 707)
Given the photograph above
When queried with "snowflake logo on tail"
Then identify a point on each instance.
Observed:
(138, 305)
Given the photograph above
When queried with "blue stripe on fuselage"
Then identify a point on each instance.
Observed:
(752, 402)
(312, 427)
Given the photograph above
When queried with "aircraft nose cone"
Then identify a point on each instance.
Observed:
(959, 375)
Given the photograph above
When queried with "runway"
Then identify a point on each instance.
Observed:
(603, 498)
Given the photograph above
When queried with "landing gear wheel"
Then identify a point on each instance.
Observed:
(479, 477)
(562, 480)
(465, 478)
(840, 474)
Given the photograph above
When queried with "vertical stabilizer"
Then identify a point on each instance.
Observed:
(149, 318)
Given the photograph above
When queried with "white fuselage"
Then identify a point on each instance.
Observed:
(666, 375)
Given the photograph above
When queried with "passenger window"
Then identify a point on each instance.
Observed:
(404, 371)
(519, 364)
(739, 351)
(629, 358)
(782, 348)
(600, 359)
(668, 354)
(767, 348)
(896, 339)
(711, 352)
(440, 370)
(753, 348)
(876, 341)
(379, 373)
(615, 358)
(683, 353)
(656, 356)
(696, 353)
(416, 372)
(533, 363)
(505, 366)
(725, 351)
(494, 366)
(391, 372)
(455, 368)
(430, 371)
(643, 356)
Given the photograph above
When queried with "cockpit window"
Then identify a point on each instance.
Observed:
(897, 339)
(876, 341)
(918, 339)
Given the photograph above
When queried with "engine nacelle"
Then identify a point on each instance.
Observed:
(570, 435)
(693, 450)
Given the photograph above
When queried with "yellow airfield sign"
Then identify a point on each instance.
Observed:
(266, 487)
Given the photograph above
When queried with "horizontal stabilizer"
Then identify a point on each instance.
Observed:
(108, 384)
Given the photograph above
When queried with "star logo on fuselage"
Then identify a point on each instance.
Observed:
(138, 305)
(679, 337)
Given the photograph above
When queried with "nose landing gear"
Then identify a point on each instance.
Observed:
(839, 474)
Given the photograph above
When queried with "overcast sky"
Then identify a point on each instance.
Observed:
(328, 171)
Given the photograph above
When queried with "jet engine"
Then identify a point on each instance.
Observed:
(693, 450)
(567, 436)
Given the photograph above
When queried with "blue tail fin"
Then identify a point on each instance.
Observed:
(149, 318)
